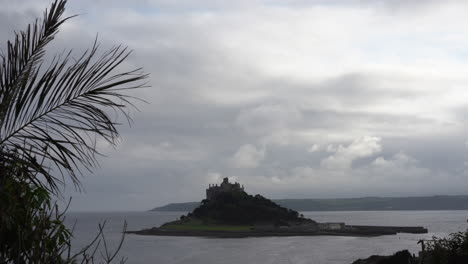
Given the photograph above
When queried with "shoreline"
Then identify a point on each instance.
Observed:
(276, 233)
(234, 234)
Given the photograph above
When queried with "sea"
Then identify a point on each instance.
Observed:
(265, 250)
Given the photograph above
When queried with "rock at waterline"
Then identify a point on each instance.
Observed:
(401, 257)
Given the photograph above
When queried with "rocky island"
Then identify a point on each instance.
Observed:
(228, 211)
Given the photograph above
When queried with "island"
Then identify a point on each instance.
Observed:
(229, 212)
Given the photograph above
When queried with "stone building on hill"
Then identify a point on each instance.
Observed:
(225, 186)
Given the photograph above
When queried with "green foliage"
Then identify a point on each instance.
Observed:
(449, 249)
(31, 229)
(244, 209)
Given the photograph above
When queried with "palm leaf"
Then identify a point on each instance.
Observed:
(56, 114)
(26, 51)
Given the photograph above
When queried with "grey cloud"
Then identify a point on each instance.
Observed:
(206, 102)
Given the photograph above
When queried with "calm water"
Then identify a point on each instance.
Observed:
(316, 250)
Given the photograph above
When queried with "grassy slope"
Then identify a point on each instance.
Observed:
(197, 225)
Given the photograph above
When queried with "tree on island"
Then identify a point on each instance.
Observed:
(240, 208)
(50, 118)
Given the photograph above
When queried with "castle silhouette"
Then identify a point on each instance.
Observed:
(225, 186)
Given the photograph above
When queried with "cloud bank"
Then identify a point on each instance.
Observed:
(291, 98)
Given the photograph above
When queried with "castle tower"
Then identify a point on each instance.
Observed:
(225, 186)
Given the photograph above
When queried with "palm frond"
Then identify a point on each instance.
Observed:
(56, 114)
(26, 51)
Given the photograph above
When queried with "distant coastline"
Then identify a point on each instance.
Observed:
(439, 202)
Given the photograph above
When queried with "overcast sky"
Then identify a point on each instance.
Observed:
(293, 99)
